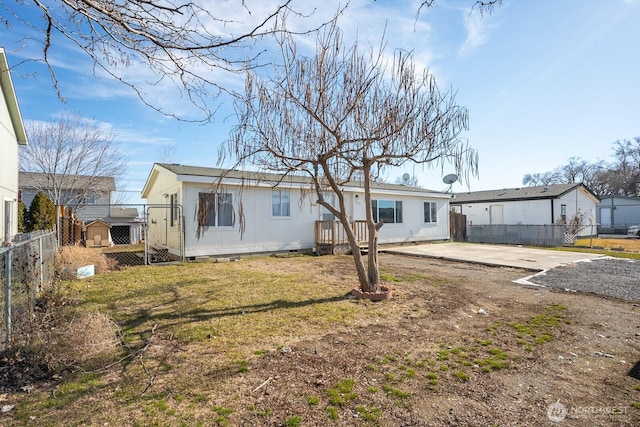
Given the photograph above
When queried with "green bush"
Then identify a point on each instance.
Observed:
(23, 216)
(42, 213)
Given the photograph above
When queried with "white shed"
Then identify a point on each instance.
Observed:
(617, 213)
(252, 212)
(540, 205)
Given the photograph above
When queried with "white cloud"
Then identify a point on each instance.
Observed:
(478, 28)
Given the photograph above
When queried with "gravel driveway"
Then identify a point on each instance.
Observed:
(614, 277)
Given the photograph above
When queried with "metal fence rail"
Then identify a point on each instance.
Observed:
(26, 267)
(537, 235)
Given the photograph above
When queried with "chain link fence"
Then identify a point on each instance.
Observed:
(132, 234)
(26, 268)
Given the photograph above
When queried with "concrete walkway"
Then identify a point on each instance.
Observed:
(496, 255)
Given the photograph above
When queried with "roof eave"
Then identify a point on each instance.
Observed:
(12, 101)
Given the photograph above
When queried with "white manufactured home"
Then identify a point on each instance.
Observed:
(252, 212)
(541, 205)
(12, 134)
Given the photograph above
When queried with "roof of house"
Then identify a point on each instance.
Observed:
(118, 212)
(203, 171)
(41, 180)
(8, 91)
(629, 198)
(551, 191)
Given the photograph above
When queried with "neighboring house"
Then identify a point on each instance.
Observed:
(255, 212)
(125, 224)
(12, 134)
(96, 204)
(541, 205)
(616, 213)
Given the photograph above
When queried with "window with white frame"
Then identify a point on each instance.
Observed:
(387, 211)
(215, 209)
(280, 203)
(430, 212)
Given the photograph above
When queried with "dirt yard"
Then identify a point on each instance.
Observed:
(438, 337)
(457, 345)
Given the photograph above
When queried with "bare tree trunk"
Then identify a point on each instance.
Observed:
(363, 277)
(373, 281)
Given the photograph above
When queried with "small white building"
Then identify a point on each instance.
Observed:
(252, 212)
(616, 213)
(540, 205)
(12, 134)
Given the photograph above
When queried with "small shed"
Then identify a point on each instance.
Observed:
(616, 213)
(97, 234)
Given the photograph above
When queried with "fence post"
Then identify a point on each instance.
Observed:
(41, 259)
(7, 296)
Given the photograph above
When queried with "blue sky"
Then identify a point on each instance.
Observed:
(543, 81)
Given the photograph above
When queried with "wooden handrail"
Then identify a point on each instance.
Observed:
(333, 233)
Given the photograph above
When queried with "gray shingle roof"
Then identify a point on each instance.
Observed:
(551, 191)
(41, 180)
(271, 177)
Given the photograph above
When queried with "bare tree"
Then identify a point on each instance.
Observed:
(185, 41)
(74, 155)
(624, 173)
(545, 178)
(620, 177)
(345, 113)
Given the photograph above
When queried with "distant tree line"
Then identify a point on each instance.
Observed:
(621, 177)
(41, 214)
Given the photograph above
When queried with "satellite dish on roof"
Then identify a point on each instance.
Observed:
(450, 179)
(406, 177)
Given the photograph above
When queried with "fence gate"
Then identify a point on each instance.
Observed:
(164, 234)
(458, 226)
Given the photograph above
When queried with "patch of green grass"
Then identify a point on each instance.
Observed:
(372, 390)
(395, 392)
(69, 391)
(332, 412)
(388, 359)
(636, 405)
(386, 277)
(442, 355)
(462, 376)
(242, 366)
(484, 342)
(369, 414)
(221, 415)
(341, 393)
(312, 400)
(293, 421)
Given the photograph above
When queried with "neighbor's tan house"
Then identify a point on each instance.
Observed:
(12, 134)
